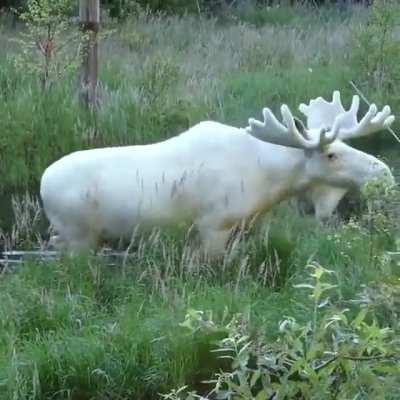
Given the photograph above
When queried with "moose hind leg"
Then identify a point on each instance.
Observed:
(74, 239)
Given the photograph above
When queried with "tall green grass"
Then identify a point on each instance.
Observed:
(161, 74)
(80, 329)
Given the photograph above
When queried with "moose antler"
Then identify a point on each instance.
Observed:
(323, 114)
(291, 133)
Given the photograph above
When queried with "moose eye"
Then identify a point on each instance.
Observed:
(331, 156)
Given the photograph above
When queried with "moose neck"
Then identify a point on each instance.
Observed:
(284, 169)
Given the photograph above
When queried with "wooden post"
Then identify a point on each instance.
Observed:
(89, 15)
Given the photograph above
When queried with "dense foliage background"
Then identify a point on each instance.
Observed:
(178, 6)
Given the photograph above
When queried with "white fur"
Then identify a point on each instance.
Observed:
(212, 175)
(324, 114)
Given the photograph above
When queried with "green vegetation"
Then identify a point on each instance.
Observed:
(161, 74)
(80, 329)
(331, 357)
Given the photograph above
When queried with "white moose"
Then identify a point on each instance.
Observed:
(213, 175)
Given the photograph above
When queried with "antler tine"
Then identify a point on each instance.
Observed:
(334, 132)
(336, 97)
(368, 117)
(289, 121)
(383, 117)
(355, 104)
(271, 130)
(373, 121)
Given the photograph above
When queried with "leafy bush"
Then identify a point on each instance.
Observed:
(47, 49)
(341, 353)
(377, 48)
(376, 57)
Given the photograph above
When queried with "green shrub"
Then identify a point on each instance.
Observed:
(339, 354)
(375, 58)
(377, 49)
(47, 46)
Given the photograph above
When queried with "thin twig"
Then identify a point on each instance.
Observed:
(198, 8)
(382, 357)
(326, 363)
(394, 357)
(360, 93)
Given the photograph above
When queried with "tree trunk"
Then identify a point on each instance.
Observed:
(89, 14)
